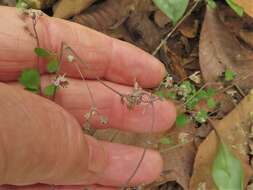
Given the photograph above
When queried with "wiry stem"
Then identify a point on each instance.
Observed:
(143, 153)
(163, 42)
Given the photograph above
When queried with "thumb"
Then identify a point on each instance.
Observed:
(42, 143)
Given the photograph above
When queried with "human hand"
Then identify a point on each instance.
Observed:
(42, 142)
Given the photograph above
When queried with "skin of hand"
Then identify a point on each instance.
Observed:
(41, 141)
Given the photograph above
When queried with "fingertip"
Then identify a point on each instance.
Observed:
(166, 115)
(150, 170)
(126, 161)
(134, 65)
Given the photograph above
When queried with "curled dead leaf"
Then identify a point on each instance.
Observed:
(189, 27)
(161, 19)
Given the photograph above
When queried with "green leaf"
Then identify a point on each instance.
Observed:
(227, 171)
(22, 5)
(187, 88)
(211, 103)
(210, 92)
(211, 4)
(201, 94)
(171, 95)
(192, 102)
(30, 79)
(50, 90)
(160, 93)
(229, 75)
(53, 66)
(182, 120)
(166, 141)
(201, 116)
(239, 10)
(42, 52)
(174, 9)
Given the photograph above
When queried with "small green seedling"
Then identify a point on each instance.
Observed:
(182, 120)
(201, 116)
(229, 75)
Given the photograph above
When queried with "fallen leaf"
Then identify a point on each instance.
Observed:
(247, 36)
(220, 50)
(67, 8)
(176, 64)
(141, 28)
(161, 19)
(103, 16)
(247, 5)
(234, 130)
(189, 27)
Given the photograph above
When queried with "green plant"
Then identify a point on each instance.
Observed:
(229, 75)
(182, 120)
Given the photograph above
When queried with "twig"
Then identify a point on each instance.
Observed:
(176, 27)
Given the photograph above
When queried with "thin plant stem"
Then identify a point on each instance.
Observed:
(164, 41)
(143, 153)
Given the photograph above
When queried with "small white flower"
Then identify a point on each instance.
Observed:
(168, 81)
(70, 58)
(59, 80)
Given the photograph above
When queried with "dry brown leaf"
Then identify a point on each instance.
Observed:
(161, 19)
(189, 28)
(220, 50)
(106, 15)
(247, 36)
(234, 130)
(176, 64)
(67, 8)
(141, 29)
(247, 5)
(178, 158)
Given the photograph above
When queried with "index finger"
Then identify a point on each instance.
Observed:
(108, 58)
